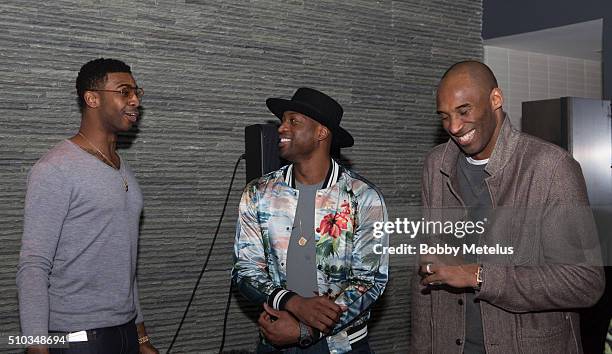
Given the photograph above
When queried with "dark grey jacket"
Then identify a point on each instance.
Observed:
(527, 305)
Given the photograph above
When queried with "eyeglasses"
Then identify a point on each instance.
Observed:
(126, 91)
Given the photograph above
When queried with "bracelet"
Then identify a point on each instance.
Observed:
(143, 339)
(478, 277)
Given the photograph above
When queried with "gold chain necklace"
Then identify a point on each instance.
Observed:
(106, 159)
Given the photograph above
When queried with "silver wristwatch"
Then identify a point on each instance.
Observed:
(305, 339)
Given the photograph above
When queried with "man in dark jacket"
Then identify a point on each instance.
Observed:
(515, 287)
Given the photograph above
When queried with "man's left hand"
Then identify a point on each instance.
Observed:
(283, 331)
(148, 348)
(456, 276)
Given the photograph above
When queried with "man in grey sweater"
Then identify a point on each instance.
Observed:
(77, 267)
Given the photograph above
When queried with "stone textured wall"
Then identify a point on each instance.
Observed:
(207, 68)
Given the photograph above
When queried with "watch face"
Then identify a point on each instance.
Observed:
(306, 341)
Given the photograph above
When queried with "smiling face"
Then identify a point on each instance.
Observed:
(116, 108)
(300, 136)
(470, 113)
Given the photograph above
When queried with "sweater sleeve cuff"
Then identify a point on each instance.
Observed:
(279, 297)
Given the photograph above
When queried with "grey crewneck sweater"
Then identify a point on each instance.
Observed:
(77, 266)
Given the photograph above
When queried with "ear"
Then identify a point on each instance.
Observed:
(323, 132)
(496, 98)
(92, 100)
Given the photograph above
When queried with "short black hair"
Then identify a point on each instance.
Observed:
(93, 74)
(478, 71)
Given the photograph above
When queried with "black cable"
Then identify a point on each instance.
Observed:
(227, 307)
(212, 245)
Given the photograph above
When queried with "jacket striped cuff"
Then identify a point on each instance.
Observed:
(358, 333)
(279, 297)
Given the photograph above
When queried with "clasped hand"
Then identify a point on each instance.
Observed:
(447, 271)
(282, 328)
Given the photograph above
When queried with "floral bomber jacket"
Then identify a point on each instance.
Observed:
(346, 210)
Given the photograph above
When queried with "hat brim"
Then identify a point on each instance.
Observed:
(340, 137)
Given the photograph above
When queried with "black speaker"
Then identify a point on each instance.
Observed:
(261, 150)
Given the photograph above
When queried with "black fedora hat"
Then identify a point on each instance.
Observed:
(318, 106)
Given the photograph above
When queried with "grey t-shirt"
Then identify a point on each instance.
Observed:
(475, 195)
(77, 267)
(301, 255)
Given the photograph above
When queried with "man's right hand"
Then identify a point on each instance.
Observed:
(319, 312)
(38, 349)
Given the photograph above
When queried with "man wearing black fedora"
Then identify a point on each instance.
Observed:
(305, 237)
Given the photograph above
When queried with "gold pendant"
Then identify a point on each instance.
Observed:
(302, 241)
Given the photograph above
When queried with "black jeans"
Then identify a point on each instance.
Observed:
(361, 347)
(121, 339)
